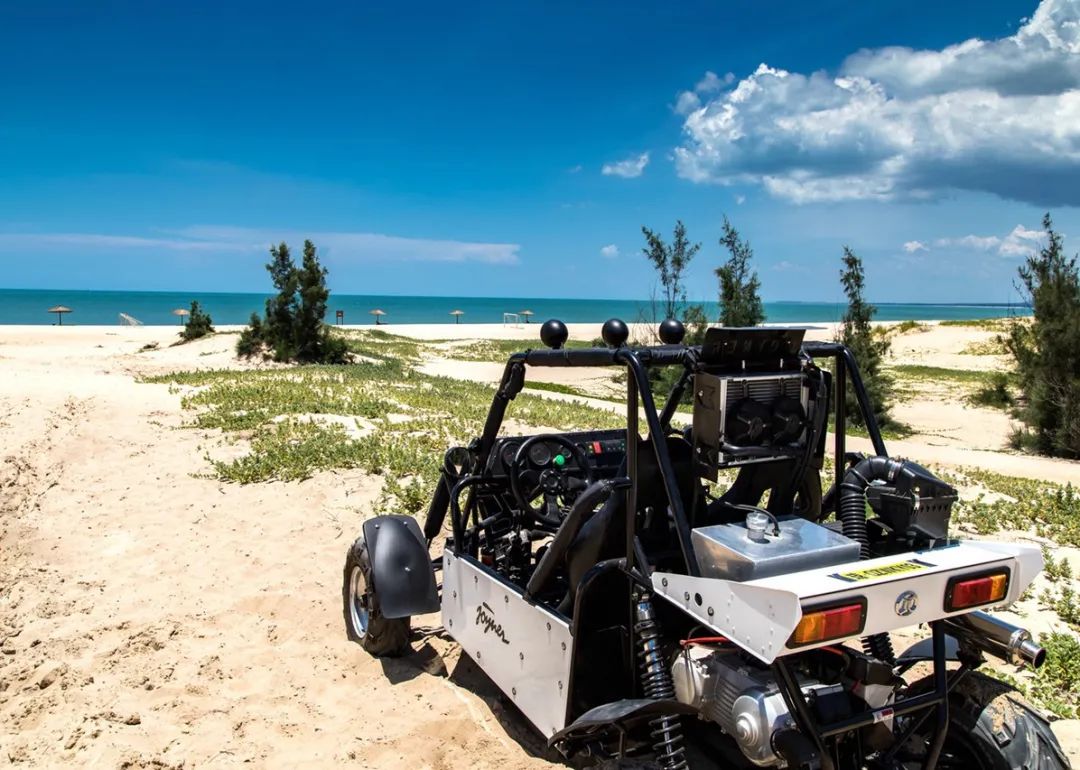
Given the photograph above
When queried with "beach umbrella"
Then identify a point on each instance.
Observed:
(526, 313)
(457, 314)
(182, 312)
(60, 310)
(378, 314)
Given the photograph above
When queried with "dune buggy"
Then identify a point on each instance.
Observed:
(692, 594)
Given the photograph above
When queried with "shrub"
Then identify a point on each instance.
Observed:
(994, 392)
(199, 323)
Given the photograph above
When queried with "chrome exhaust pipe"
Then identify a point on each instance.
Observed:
(998, 638)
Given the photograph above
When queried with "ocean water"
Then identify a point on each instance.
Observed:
(30, 306)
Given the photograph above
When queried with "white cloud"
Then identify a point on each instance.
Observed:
(105, 241)
(1020, 242)
(740, 200)
(977, 242)
(574, 169)
(688, 101)
(344, 246)
(999, 116)
(631, 168)
(610, 251)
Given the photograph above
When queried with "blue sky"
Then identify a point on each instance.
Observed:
(517, 147)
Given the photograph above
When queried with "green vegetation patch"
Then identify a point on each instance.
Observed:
(500, 350)
(1056, 685)
(993, 324)
(1044, 508)
(940, 374)
(405, 420)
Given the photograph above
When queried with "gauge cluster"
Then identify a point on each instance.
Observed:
(604, 449)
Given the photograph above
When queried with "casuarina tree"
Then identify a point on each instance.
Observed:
(199, 323)
(294, 328)
(1047, 350)
(670, 261)
(869, 349)
(740, 304)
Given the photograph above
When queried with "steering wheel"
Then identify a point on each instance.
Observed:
(558, 486)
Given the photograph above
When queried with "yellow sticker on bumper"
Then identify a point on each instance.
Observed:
(884, 570)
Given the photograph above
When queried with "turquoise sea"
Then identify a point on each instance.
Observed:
(30, 306)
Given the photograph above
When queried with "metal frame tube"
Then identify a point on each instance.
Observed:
(663, 459)
(840, 424)
(633, 443)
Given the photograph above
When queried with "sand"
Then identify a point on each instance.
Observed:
(153, 617)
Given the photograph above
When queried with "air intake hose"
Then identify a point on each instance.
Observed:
(852, 514)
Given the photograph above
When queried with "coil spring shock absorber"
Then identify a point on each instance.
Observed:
(666, 731)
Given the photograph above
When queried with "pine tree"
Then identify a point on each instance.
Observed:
(740, 304)
(1047, 351)
(869, 349)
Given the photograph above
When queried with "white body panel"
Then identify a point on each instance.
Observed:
(761, 622)
(525, 649)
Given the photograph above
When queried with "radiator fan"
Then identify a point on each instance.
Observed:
(788, 420)
(748, 423)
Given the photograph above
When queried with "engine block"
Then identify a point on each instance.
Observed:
(743, 700)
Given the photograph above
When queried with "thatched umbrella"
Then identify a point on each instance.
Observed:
(457, 314)
(183, 313)
(526, 313)
(59, 310)
(378, 314)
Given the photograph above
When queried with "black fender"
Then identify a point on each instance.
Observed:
(611, 720)
(923, 650)
(401, 573)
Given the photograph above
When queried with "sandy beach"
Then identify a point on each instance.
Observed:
(152, 616)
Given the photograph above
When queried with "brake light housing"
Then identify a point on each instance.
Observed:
(965, 592)
(829, 622)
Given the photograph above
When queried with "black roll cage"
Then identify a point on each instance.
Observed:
(639, 399)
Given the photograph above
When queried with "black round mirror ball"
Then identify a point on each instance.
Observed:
(554, 334)
(614, 332)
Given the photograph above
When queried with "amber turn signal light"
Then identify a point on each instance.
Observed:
(823, 624)
(967, 591)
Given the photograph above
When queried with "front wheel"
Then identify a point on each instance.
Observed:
(364, 621)
(992, 728)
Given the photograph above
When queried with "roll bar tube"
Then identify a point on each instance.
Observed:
(663, 459)
(846, 359)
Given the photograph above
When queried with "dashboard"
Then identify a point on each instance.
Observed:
(603, 449)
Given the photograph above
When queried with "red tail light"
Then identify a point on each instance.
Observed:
(966, 591)
(837, 621)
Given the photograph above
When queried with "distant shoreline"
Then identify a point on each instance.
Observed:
(103, 308)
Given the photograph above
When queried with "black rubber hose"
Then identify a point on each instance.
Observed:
(852, 514)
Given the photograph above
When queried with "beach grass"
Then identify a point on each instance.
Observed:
(938, 374)
(991, 324)
(404, 421)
